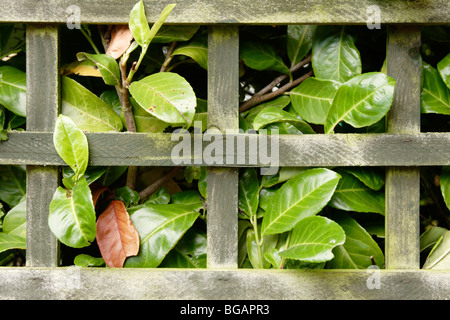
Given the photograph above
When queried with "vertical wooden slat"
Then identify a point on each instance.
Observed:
(43, 102)
(403, 184)
(223, 104)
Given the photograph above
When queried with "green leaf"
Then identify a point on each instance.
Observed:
(196, 49)
(279, 102)
(91, 174)
(435, 96)
(358, 248)
(372, 178)
(430, 237)
(269, 242)
(188, 198)
(71, 144)
(139, 25)
(13, 90)
(299, 41)
(262, 56)
(160, 227)
(334, 55)
(72, 217)
(361, 101)
(15, 221)
(175, 33)
(12, 184)
(248, 192)
(88, 111)
(313, 240)
(271, 115)
(353, 195)
(167, 96)
(127, 195)
(145, 122)
(85, 260)
(106, 64)
(445, 185)
(302, 196)
(439, 257)
(190, 251)
(443, 67)
(312, 99)
(11, 241)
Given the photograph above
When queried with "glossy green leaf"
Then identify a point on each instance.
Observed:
(443, 67)
(138, 24)
(12, 184)
(11, 241)
(353, 195)
(175, 33)
(255, 255)
(435, 96)
(160, 227)
(243, 226)
(146, 122)
(299, 41)
(196, 49)
(439, 257)
(271, 115)
(279, 102)
(371, 177)
(71, 145)
(190, 251)
(248, 192)
(87, 110)
(127, 195)
(334, 54)
(262, 56)
(445, 185)
(361, 101)
(313, 239)
(85, 260)
(91, 174)
(312, 99)
(167, 96)
(15, 221)
(302, 196)
(430, 237)
(188, 198)
(358, 249)
(112, 174)
(13, 90)
(106, 64)
(72, 216)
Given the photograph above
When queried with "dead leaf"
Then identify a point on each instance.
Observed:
(96, 190)
(81, 68)
(120, 41)
(117, 237)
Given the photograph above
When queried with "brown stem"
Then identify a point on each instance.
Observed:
(251, 102)
(151, 189)
(255, 100)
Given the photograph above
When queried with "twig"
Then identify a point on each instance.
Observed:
(151, 189)
(251, 102)
(169, 57)
(255, 100)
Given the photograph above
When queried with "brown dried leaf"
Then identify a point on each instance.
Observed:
(120, 41)
(96, 190)
(117, 237)
(82, 68)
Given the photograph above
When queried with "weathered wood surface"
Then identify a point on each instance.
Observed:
(425, 149)
(74, 283)
(222, 183)
(43, 101)
(404, 64)
(229, 11)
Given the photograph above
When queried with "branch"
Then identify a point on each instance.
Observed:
(256, 97)
(169, 57)
(151, 189)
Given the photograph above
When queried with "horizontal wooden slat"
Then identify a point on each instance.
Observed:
(244, 284)
(234, 12)
(425, 149)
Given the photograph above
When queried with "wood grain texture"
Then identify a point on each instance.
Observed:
(401, 150)
(43, 101)
(222, 183)
(230, 12)
(73, 283)
(404, 64)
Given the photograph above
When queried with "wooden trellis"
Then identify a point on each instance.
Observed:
(402, 150)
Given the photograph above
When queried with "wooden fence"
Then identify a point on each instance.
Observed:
(402, 150)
